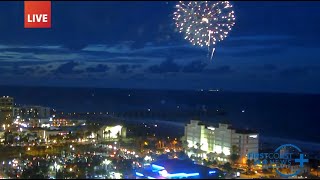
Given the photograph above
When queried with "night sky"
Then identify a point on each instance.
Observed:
(273, 47)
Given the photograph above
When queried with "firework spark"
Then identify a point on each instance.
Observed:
(204, 23)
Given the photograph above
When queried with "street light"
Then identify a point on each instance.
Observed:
(56, 167)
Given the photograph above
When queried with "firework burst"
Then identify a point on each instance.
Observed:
(204, 23)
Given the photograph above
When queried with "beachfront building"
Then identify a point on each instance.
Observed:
(29, 112)
(220, 139)
(112, 132)
(6, 110)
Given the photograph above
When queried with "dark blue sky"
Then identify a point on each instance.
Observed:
(274, 46)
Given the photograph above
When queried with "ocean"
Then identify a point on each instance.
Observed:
(280, 115)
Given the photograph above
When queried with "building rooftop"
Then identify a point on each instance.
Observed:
(174, 166)
(177, 169)
(237, 130)
(244, 131)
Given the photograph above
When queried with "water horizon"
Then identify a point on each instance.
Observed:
(288, 116)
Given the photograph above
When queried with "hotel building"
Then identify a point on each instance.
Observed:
(6, 110)
(30, 112)
(220, 139)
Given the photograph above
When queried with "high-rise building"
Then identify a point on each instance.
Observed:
(32, 112)
(6, 110)
(221, 139)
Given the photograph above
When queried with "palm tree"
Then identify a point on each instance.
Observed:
(93, 127)
(109, 134)
(234, 156)
(185, 145)
(119, 138)
(249, 164)
(199, 150)
(227, 167)
(198, 145)
(79, 134)
(87, 133)
(211, 156)
(105, 134)
(98, 136)
(29, 136)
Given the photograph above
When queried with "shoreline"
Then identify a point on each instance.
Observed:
(304, 145)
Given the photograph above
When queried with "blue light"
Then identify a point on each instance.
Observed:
(157, 167)
(212, 172)
(149, 177)
(183, 175)
(139, 174)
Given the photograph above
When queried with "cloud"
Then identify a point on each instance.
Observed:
(24, 71)
(135, 66)
(139, 77)
(22, 63)
(75, 46)
(34, 50)
(123, 59)
(126, 48)
(165, 67)
(194, 67)
(122, 48)
(123, 69)
(263, 51)
(260, 38)
(295, 72)
(220, 70)
(98, 68)
(268, 67)
(67, 68)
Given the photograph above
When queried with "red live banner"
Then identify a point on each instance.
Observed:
(37, 14)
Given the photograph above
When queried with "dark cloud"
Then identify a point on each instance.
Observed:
(171, 51)
(135, 66)
(75, 46)
(138, 77)
(138, 45)
(124, 68)
(24, 71)
(98, 68)
(265, 68)
(42, 71)
(67, 68)
(19, 70)
(22, 63)
(5, 56)
(194, 67)
(34, 51)
(295, 72)
(121, 60)
(220, 70)
(260, 40)
(268, 67)
(165, 67)
(251, 52)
